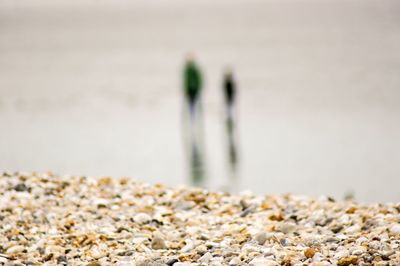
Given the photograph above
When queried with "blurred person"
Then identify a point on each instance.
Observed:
(229, 91)
(192, 80)
(229, 88)
(192, 86)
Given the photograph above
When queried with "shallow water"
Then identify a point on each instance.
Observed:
(94, 88)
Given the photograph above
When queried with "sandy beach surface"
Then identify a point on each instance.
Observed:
(76, 220)
(94, 88)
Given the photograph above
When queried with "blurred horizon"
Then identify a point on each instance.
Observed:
(95, 88)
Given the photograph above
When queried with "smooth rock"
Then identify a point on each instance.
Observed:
(263, 262)
(261, 238)
(142, 218)
(395, 229)
(309, 252)
(287, 227)
(172, 262)
(62, 260)
(234, 261)
(189, 246)
(15, 249)
(206, 258)
(21, 187)
(158, 242)
(352, 229)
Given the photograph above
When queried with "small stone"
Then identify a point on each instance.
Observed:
(142, 218)
(15, 249)
(182, 264)
(246, 212)
(235, 261)
(172, 262)
(287, 227)
(126, 253)
(395, 229)
(284, 242)
(244, 204)
(320, 263)
(21, 187)
(352, 229)
(309, 253)
(317, 257)
(93, 263)
(259, 261)
(206, 258)
(158, 242)
(62, 260)
(347, 261)
(261, 238)
(357, 252)
(188, 247)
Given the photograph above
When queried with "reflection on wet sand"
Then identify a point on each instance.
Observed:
(232, 154)
(192, 84)
(195, 153)
(229, 89)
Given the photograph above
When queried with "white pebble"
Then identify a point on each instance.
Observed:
(395, 229)
(142, 218)
(261, 238)
(189, 246)
(15, 249)
(206, 258)
(263, 262)
(234, 261)
(287, 227)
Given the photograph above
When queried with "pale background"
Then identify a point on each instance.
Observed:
(94, 88)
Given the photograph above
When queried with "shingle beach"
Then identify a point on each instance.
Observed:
(46, 219)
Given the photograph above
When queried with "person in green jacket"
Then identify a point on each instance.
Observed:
(192, 87)
(192, 80)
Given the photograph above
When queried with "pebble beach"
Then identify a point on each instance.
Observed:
(48, 219)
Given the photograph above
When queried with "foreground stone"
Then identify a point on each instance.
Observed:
(69, 220)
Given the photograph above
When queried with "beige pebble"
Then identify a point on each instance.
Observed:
(15, 249)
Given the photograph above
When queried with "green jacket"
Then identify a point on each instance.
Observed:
(192, 79)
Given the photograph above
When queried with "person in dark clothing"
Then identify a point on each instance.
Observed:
(229, 88)
(192, 83)
(193, 138)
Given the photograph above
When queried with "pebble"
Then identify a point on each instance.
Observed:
(395, 229)
(234, 261)
(287, 227)
(172, 262)
(189, 246)
(182, 264)
(309, 252)
(261, 238)
(259, 261)
(21, 187)
(142, 218)
(15, 249)
(347, 261)
(318, 257)
(206, 258)
(62, 260)
(71, 220)
(158, 243)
